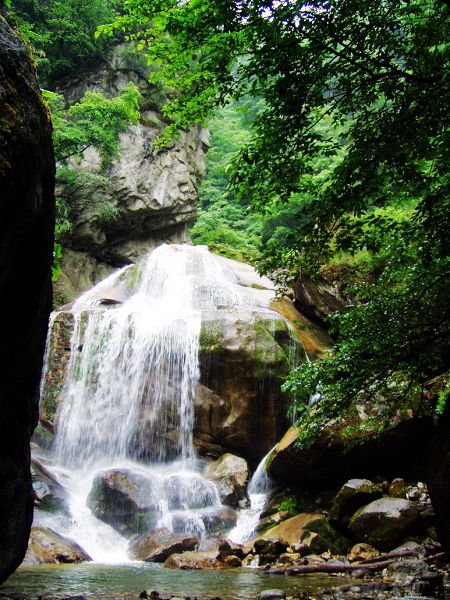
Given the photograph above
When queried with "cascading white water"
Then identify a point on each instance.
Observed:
(259, 487)
(129, 393)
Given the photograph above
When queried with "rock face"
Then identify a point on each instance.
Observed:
(47, 546)
(384, 523)
(26, 246)
(439, 483)
(245, 355)
(230, 474)
(146, 197)
(319, 299)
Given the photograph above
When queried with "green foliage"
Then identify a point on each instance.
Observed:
(95, 122)
(360, 90)
(61, 33)
(224, 224)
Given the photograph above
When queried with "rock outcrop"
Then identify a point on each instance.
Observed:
(333, 458)
(26, 246)
(147, 196)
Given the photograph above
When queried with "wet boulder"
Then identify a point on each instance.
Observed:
(384, 523)
(158, 545)
(352, 496)
(47, 546)
(124, 499)
(219, 519)
(49, 494)
(230, 474)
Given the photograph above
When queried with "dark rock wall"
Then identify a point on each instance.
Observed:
(439, 483)
(26, 245)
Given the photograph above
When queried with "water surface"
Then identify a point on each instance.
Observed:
(127, 581)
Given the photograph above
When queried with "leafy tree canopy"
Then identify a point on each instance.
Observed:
(376, 73)
(61, 33)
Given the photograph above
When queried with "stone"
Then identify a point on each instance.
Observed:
(230, 474)
(58, 354)
(362, 552)
(319, 298)
(397, 488)
(272, 595)
(124, 500)
(27, 170)
(159, 544)
(47, 546)
(194, 560)
(384, 523)
(244, 352)
(352, 496)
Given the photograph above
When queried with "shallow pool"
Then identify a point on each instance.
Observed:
(128, 580)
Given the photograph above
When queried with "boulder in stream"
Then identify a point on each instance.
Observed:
(47, 546)
(230, 474)
(158, 545)
(125, 500)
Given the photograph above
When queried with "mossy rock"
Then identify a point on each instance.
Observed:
(321, 536)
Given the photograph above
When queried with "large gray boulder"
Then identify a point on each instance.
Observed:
(230, 474)
(384, 523)
(26, 247)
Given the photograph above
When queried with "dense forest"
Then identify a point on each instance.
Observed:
(330, 158)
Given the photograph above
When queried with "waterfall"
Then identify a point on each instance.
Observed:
(128, 400)
(258, 489)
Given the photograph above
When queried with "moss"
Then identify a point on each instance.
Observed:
(327, 538)
(211, 337)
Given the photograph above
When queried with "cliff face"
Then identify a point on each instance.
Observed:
(144, 198)
(26, 246)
